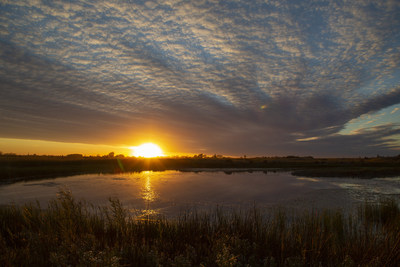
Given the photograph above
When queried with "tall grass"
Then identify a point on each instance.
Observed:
(70, 232)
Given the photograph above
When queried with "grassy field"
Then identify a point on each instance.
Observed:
(71, 233)
(15, 168)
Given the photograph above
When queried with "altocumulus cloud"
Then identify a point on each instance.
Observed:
(231, 77)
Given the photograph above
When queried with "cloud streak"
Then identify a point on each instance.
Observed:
(208, 74)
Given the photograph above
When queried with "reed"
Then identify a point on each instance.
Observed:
(70, 232)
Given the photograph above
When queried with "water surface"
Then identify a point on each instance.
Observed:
(169, 192)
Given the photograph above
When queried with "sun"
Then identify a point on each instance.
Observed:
(147, 150)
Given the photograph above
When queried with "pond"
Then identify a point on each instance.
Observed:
(170, 192)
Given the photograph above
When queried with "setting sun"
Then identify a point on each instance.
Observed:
(147, 150)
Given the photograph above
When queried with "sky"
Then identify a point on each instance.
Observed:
(255, 78)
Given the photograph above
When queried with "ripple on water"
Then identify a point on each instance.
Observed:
(47, 184)
(170, 191)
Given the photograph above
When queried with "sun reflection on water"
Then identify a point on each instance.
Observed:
(149, 195)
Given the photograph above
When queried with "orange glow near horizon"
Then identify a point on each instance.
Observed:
(147, 150)
(44, 147)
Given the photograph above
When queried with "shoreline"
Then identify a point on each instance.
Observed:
(27, 168)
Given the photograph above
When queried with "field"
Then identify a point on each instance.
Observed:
(71, 233)
(16, 168)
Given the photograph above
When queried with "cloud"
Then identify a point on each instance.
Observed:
(367, 142)
(205, 73)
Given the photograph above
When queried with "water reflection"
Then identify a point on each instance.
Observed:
(151, 194)
(148, 194)
(308, 179)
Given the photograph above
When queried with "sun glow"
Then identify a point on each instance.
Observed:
(147, 150)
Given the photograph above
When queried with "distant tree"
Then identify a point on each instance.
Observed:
(111, 154)
(74, 156)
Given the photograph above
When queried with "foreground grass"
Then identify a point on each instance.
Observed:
(73, 233)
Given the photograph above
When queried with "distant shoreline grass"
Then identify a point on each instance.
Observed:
(15, 168)
(72, 233)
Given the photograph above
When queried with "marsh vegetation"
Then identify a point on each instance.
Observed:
(74, 233)
(16, 168)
